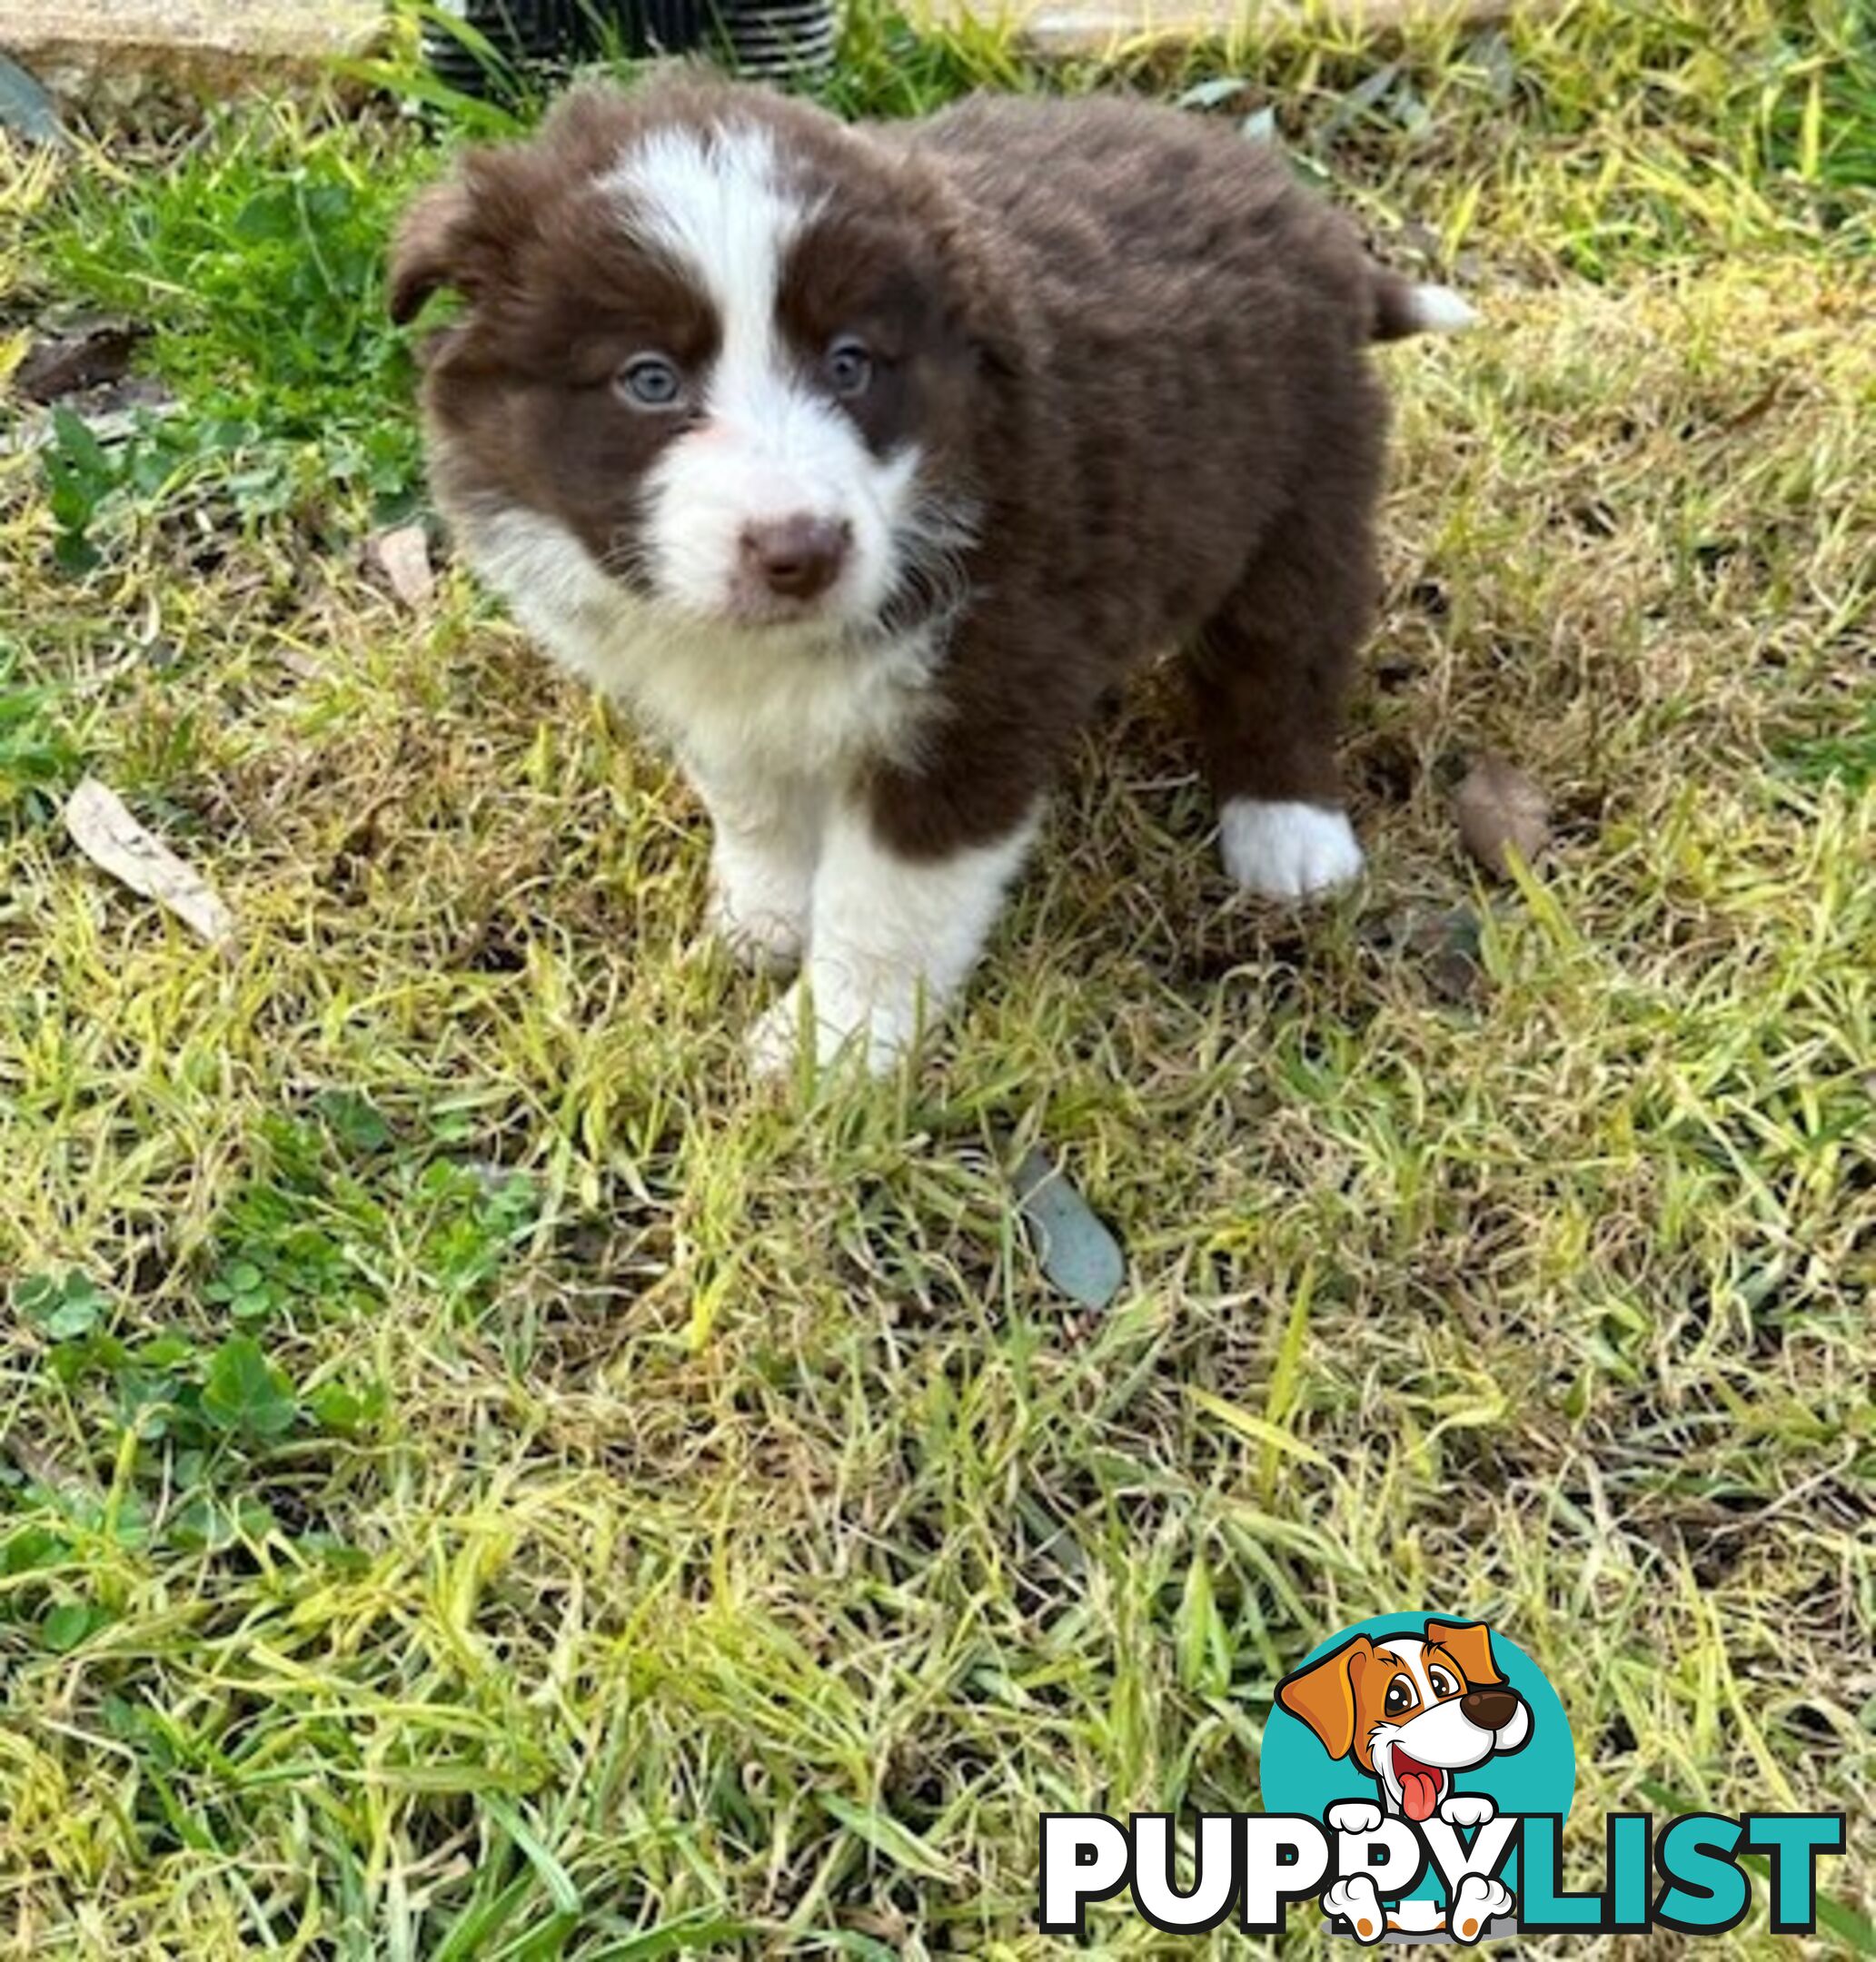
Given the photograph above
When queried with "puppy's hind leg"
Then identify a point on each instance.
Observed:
(1268, 673)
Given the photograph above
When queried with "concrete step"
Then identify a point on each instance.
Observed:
(110, 50)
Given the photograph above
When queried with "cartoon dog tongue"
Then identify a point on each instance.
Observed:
(1420, 1786)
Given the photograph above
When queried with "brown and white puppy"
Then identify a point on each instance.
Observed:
(862, 461)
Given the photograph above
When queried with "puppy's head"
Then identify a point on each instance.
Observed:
(726, 344)
(1410, 1710)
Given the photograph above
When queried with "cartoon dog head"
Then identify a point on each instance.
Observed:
(1410, 1709)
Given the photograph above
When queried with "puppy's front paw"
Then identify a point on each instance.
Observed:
(1355, 1901)
(1478, 1901)
(1287, 851)
(1354, 1815)
(1467, 1809)
(764, 939)
(775, 1041)
(876, 1032)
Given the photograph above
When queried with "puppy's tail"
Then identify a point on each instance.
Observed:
(1403, 308)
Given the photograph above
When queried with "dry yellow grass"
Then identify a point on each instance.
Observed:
(685, 1520)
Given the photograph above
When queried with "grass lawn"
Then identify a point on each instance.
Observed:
(479, 1477)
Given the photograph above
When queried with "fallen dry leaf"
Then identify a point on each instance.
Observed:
(1443, 946)
(1500, 809)
(403, 555)
(85, 358)
(104, 831)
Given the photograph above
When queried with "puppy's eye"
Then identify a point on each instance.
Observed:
(1443, 1684)
(651, 382)
(1400, 1697)
(848, 366)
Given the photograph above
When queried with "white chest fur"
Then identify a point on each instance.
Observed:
(795, 701)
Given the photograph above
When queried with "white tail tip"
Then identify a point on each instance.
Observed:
(1440, 310)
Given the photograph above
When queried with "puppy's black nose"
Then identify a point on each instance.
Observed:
(1490, 1709)
(796, 557)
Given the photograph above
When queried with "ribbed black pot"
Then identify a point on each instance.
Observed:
(779, 39)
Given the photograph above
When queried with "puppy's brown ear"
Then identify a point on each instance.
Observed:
(1323, 1695)
(429, 252)
(1469, 1643)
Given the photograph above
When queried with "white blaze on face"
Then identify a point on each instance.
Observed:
(1412, 1657)
(771, 447)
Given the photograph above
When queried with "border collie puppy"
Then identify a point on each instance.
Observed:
(861, 461)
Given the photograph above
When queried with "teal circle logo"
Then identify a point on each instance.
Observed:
(1407, 1713)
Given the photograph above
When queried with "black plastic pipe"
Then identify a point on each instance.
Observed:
(780, 40)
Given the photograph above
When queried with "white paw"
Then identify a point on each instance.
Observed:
(760, 901)
(775, 1042)
(1354, 1815)
(1440, 310)
(876, 1032)
(1287, 851)
(1355, 1901)
(767, 940)
(1477, 1904)
(1467, 1809)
